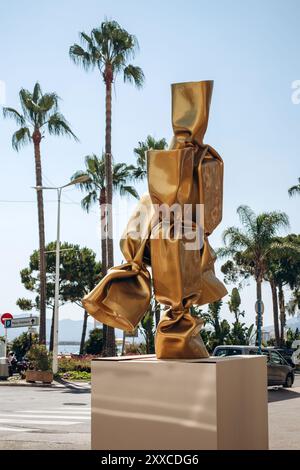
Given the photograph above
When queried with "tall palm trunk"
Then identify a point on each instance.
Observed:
(38, 174)
(83, 334)
(123, 344)
(103, 228)
(259, 298)
(103, 222)
(282, 313)
(110, 347)
(52, 331)
(275, 312)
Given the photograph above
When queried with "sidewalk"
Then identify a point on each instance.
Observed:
(58, 383)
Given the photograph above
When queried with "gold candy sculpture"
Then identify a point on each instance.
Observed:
(169, 233)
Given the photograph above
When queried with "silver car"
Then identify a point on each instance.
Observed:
(279, 371)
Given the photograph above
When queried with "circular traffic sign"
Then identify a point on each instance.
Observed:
(259, 305)
(6, 316)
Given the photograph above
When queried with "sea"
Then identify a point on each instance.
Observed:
(68, 349)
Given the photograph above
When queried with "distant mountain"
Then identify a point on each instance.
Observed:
(292, 323)
(69, 330)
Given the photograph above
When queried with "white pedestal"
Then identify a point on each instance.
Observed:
(140, 402)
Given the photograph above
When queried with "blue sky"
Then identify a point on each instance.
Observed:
(250, 49)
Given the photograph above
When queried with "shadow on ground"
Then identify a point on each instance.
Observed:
(281, 394)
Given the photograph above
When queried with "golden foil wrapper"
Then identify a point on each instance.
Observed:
(190, 172)
(122, 297)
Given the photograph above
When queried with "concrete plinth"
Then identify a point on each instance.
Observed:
(140, 402)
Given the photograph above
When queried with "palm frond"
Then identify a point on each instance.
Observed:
(88, 201)
(139, 173)
(14, 114)
(20, 138)
(135, 75)
(140, 152)
(81, 57)
(37, 93)
(86, 185)
(235, 239)
(125, 190)
(28, 106)
(294, 189)
(48, 101)
(269, 223)
(247, 216)
(58, 125)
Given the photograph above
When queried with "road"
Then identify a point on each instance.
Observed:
(59, 418)
(44, 418)
(284, 417)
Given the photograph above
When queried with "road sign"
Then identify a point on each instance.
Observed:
(5, 316)
(31, 329)
(259, 303)
(21, 322)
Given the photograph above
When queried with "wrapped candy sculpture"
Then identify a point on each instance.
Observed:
(169, 232)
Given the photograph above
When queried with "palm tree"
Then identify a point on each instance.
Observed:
(295, 189)
(252, 246)
(140, 171)
(95, 187)
(283, 268)
(40, 114)
(109, 48)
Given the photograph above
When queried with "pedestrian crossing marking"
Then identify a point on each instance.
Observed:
(41, 416)
(69, 412)
(37, 421)
(37, 418)
(8, 428)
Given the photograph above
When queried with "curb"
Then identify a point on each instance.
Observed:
(27, 384)
(55, 384)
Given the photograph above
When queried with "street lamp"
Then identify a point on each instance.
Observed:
(80, 179)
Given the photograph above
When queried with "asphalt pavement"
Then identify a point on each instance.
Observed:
(59, 418)
(45, 418)
(284, 417)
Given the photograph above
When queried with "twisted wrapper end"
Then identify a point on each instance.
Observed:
(190, 111)
(178, 336)
(122, 297)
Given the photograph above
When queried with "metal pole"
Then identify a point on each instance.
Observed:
(56, 294)
(5, 347)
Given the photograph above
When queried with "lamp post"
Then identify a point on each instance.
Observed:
(80, 179)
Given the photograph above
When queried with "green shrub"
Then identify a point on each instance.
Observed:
(94, 344)
(40, 358)
(22, 343)
(78, 364)
(76, 375)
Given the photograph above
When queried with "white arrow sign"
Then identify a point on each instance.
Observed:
(21, 322)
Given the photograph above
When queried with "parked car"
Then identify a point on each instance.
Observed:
(287, 354)
(279, 371)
